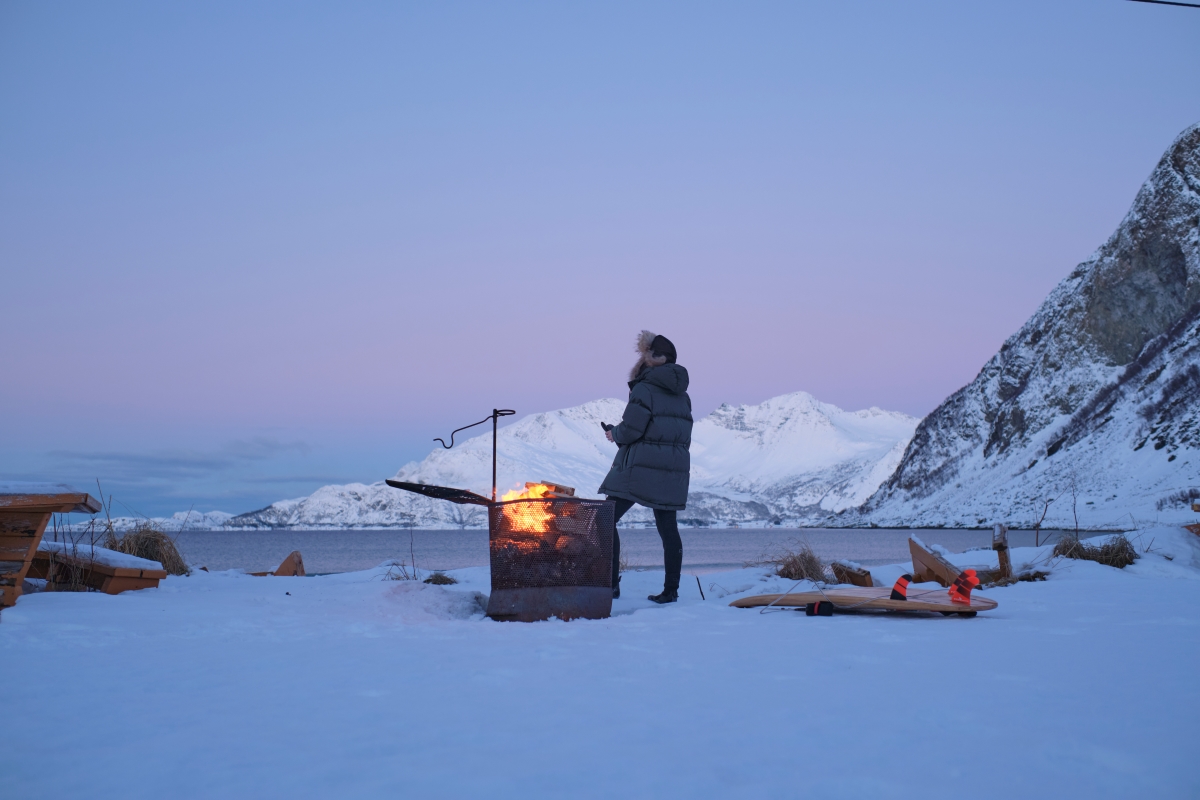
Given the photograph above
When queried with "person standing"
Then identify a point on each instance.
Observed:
(653, 463)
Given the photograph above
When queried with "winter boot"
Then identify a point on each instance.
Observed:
(667, 596)
(617, 590)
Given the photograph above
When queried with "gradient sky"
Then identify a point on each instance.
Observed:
(248, 249)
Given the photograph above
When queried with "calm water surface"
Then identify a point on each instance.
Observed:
(704, 550)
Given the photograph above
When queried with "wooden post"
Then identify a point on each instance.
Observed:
(1000, 545)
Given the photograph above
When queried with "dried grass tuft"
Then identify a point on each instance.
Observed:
(800, 564)
(149, 541)
(441, 579)
(66, 575)
(1116, 552)
(400, 571)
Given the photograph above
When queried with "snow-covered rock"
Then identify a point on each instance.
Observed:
(1094, 403)
(788, 460)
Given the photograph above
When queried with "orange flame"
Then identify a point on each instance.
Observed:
(528, 517)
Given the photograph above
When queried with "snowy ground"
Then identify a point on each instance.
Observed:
(225, 685)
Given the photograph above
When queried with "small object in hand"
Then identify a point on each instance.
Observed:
(607, 427)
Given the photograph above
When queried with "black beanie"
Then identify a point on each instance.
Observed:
(661, 346)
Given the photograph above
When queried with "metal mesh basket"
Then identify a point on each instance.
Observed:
(551, 543)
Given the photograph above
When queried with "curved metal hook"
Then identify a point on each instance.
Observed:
(496, 413)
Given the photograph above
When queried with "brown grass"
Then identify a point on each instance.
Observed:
(800, 564)
(400, 571)
(148, 541)
(441, 579)
(66, 575)
(1116, 552)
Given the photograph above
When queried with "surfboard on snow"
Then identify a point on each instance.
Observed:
(856, 598)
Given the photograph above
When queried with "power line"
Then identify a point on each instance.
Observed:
(1167, 3)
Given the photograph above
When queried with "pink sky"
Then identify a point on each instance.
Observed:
(248, 252)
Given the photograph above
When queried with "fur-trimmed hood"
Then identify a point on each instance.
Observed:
(646, 357)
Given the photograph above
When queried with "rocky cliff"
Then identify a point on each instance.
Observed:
(1094, 403)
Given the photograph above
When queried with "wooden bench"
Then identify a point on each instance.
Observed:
(81, 567)
(25, 510)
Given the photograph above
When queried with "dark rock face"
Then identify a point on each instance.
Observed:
(1116, 339)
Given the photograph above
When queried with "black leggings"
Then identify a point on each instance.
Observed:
(668, 531)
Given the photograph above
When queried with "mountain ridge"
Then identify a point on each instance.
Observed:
(790, 459)
(1108, 362)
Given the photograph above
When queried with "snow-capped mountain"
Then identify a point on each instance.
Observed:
(790, 460)
(1095, 401)
(179, 521)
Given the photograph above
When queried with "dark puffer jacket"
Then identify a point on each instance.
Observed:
(652, 464)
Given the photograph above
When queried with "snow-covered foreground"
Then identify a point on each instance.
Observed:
(225, 685)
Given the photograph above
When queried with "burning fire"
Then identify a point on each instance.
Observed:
(528, 517)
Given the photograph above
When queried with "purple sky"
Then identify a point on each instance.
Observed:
(249, 249)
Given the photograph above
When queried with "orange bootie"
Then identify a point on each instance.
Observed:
(960, 590)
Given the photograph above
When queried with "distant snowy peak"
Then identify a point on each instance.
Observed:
(753, 447)
(568, 446)
(179, 521)
(790, 458)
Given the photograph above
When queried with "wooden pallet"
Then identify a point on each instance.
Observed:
(860, 598)
(24, 515)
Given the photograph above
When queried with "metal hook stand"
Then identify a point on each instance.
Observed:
(494, 417)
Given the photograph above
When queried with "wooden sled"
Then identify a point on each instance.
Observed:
(861, 598)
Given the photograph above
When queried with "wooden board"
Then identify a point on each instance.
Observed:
(855, 576)
(849, 598)
(63, 502)
(556, 489)
(930, 566)
(291, 567)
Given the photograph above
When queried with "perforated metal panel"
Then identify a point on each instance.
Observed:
(551, 543)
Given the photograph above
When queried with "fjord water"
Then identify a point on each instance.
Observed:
(704, 550)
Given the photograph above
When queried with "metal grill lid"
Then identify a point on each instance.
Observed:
(460, 496)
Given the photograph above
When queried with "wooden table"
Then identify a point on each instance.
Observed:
(25, 510)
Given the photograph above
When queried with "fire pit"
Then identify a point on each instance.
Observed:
(551, 556)
(551, 552)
